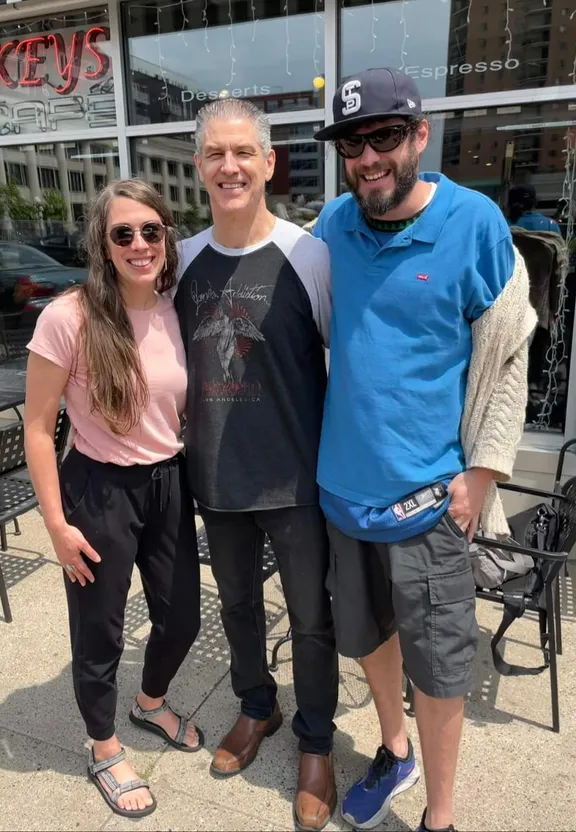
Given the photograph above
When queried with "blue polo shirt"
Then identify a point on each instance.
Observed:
(535, 221)
(401, 342)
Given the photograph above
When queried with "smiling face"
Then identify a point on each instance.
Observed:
(232, 166)
(382, 181)
(140, 263)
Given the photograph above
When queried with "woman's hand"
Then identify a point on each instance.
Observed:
(70, 544)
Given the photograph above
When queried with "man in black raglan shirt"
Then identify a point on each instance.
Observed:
(254, 307)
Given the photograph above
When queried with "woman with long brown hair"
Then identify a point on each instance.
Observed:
(113, 349)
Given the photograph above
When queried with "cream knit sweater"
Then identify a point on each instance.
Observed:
(497, 389)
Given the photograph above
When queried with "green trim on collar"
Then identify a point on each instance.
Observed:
(392, 226)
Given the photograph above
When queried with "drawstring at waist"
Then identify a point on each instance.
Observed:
(161, 474)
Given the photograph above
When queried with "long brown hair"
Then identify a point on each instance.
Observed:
(117, 387)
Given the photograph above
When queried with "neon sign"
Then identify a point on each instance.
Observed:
(29, 57)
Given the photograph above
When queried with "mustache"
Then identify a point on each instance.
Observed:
(377, 168)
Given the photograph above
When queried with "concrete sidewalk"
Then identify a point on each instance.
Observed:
(515, 774)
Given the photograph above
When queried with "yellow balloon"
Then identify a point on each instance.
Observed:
(318, 82)
(224, 94)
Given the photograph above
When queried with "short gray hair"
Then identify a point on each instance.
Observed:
(233, 108)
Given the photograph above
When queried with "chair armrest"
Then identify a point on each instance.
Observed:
(536, 492)
(522, 550)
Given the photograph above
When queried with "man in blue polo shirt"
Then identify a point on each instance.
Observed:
(521, 204)
(416, 260)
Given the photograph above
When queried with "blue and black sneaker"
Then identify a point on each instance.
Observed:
(368, 801)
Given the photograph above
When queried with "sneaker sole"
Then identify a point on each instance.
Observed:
(381, 815)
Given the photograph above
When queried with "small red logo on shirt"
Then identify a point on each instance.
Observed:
(422, 276)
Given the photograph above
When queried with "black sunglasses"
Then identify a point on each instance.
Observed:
(382, 140)
(151, 232)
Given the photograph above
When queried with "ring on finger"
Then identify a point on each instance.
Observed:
(69, 567)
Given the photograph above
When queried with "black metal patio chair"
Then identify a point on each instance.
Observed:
(17, 495)
(537, 592)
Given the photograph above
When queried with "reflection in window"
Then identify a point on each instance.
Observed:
(493, 150)
(296, 191)
(166, 161)
(182, 55)
(44, 197)
(453, 50)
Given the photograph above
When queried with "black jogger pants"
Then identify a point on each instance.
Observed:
(137, 514)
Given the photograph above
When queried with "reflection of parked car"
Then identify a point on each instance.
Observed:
(29, 279)
(65, 248)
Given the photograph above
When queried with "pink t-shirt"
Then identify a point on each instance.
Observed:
(157, 333)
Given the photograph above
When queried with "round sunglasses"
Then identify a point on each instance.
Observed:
(151, 232)
(382, 140)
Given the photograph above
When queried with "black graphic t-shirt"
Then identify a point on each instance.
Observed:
(254, 323)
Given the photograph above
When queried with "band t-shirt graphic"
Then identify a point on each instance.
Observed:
(254, 323)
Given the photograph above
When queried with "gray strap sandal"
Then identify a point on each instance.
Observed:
(100, 771)
(141, 718)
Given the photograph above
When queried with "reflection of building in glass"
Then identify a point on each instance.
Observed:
(496, 45)
(168, 163)
(75, 169)
(299, 165)
(492, 149)
(271, 56)
(157, 95)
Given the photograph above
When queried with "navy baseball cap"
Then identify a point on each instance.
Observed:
(370, 96)
(521, 193)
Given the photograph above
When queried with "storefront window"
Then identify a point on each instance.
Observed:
(295, 193)
(44, 192)
(56, 74)
(182, 55)
(462, 47)
(492, 150)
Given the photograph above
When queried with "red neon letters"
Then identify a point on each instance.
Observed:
(29, 57)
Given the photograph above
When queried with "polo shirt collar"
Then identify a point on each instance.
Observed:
(428, 226)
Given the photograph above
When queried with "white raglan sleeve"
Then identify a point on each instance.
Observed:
(310, 258)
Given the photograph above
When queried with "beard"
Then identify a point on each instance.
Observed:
(379, 203)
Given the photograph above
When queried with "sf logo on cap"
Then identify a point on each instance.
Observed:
(352, 101)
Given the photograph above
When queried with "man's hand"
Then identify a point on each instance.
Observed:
(467, 492)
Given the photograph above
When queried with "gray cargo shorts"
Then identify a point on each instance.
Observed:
(421, 588)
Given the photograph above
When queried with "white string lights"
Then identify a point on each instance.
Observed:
(185, 21)
(317, 17)
(556, 353)
(508, 30)
(287, 38)
(254, 20)
(345, 8)
(373, 25)
(405, 36)
(205, 22)
(164, 94)
(232, 44)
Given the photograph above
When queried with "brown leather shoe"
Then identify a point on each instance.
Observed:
(240, 746)
(316, 793)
